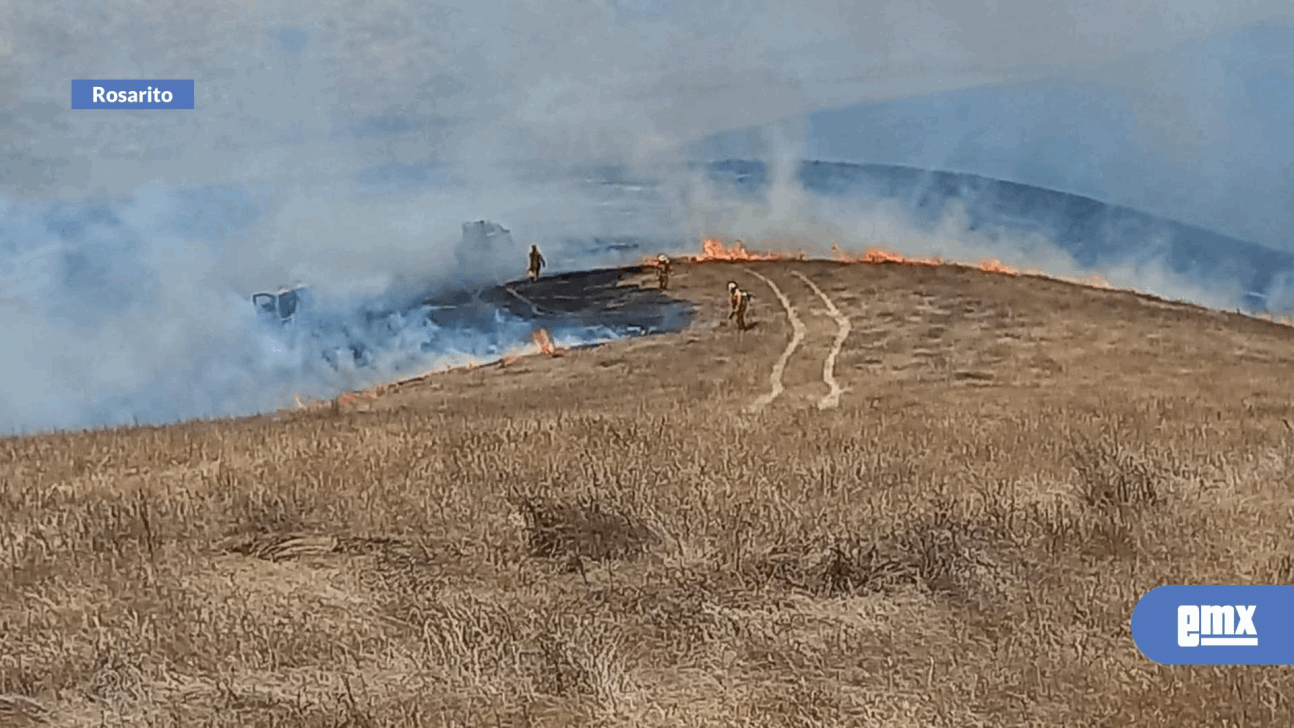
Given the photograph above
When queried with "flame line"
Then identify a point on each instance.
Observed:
(832, 399)
(798, 331)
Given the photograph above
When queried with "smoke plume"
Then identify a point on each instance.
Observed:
(343, 145)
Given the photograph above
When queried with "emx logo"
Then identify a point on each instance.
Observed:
(1171, 623)
(1208, 625)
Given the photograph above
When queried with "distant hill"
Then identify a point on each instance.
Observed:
(1093, 232)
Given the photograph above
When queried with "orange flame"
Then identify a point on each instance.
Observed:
(545, 342)
(714, 251)
(879, 256)
(993, 266)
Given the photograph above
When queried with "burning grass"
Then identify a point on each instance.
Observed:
(714, 250)
(545, 343)
(571, 547)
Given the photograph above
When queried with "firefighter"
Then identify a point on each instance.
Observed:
(738, 304)
(662, 271)
(536, 262)
(743, 308)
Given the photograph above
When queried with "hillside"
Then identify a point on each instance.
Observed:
(1095, 233)
(675, 530)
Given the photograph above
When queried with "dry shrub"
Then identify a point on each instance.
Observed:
(107, 527)
(480, 641)
(18, 711)
(270, 525)
(264, 511)
(1116, 485)
(584, 528)
(471, 638)
(583, 661)
(117, 680)
(275, 547)
(19, 678)
(244, 704)
(399, 579)
(1278, 569)
(947, 556)
(387, 547)
(679, 613)
(802, 702)
(1092, 533)
(1111, 474)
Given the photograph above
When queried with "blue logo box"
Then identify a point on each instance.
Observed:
(1216, 625)
(132, 95)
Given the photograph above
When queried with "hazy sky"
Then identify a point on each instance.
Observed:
(286, 91)
(1200, 132)
(129, 241)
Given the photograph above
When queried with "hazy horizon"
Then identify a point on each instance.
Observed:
(130, 240)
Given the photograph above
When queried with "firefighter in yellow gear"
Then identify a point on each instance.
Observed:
(738, 304)
(536, 262)
(663, 271)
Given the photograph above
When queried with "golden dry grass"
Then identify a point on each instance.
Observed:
(605, 538)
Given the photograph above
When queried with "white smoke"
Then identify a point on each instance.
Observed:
(343, 145)
(786, 216)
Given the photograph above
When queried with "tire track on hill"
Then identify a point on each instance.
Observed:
(797, 336)
(832, 399)
(524, 300)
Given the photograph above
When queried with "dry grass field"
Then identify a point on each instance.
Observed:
(616, 536)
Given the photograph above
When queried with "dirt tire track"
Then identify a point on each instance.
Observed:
(538, 310)
(797, 336)
(829, 364)
(524, 300)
